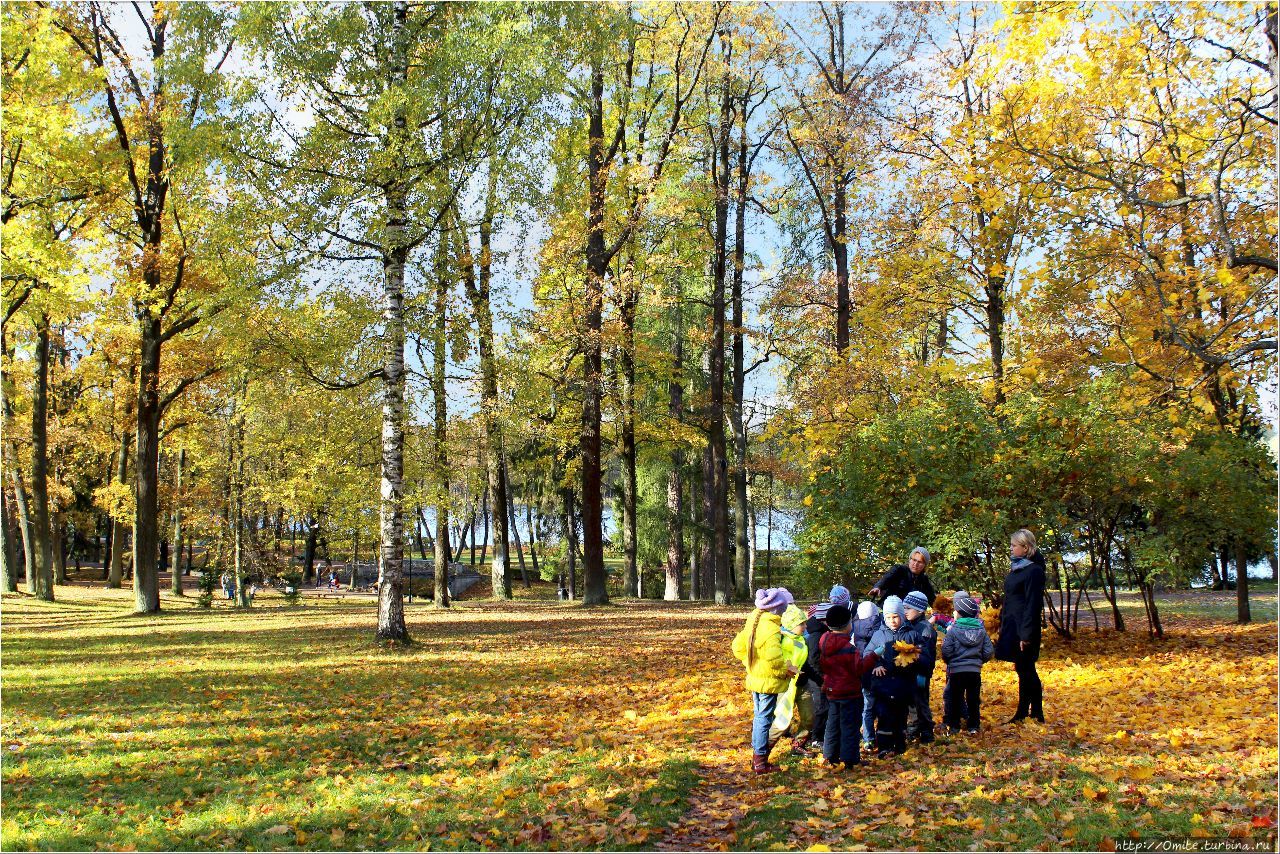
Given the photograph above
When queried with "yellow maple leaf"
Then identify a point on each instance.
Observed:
(878, 799)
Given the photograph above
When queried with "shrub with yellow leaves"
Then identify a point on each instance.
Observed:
(991, 619)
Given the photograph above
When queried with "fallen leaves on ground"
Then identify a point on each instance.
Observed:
(542, 726)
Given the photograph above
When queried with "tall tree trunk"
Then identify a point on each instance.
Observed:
(440, 430)
(675, 488)
(14, 526)
(119, 530)
(238, 561)
(840, 249)
(9, 554)
(146, 579)
(102, 537)
(391, 624)
(417, 533)
(462, 542)
(1217, 569)
(571, 542)
(354, 575)
(514, 528)
(1242, 584)
(718, 536)
(533, 538)
(175, 566)
(309, 550)
(40, 582)
(708, 556)
(995, 332)
(485, 515)
(595, 591)
(630, 302)
(24, 523)
(741, 510)
(477, 278)
(58, 532)
(697, 518)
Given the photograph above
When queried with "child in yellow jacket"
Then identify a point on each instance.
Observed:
(759, 647)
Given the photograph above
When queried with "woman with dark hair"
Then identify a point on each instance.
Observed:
(1020, 623)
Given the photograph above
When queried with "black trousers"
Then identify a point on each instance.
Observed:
(963, 699)
(1030, 688)
(820, 706)
(919, 715)
(842, 740)
(891, 721)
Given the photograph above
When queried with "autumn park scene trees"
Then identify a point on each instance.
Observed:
(406, 404)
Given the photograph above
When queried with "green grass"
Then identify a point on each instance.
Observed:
(287, 727)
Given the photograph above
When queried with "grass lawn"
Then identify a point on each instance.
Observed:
(538, 725)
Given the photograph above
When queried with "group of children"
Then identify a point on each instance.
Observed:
(862, 678)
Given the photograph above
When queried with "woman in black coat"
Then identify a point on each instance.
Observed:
(1020, 623)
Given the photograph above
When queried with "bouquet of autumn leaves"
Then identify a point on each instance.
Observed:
(905, 654)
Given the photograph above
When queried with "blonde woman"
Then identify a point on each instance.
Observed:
(1020, 623)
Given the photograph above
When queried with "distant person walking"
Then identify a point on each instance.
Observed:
(904, 578)
(1019, 640)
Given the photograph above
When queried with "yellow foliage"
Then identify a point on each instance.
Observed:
(991, 619)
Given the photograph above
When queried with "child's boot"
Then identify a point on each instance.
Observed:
(760, 764)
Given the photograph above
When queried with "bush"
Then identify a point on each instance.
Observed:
(291, 585)
(208, 583)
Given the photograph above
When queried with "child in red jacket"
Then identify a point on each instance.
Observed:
(842, 670)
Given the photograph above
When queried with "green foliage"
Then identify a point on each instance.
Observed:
(208, 584)
(953, 475)
(1215, 491)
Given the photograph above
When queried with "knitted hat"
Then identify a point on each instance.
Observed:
(819, 610)
(773, 599)
(838, 617)
(839, 595)
(917, 600)
(793, 618)
(892, 605)
(960, 594)
(924, 553)
(867, 609)
(966, 607)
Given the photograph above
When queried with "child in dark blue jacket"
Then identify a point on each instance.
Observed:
(892, 683)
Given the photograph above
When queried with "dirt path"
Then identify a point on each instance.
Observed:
(717, 806)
